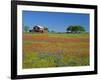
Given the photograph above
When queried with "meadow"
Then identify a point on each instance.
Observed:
(42, 50)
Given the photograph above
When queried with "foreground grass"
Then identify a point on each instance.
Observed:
(55, 50)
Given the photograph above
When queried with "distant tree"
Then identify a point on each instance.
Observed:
(52, 31)
(46, 28)
(75, 29)
(26, 28)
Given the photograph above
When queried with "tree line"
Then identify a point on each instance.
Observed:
(69, 29)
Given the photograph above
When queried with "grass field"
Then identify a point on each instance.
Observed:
(41, 50)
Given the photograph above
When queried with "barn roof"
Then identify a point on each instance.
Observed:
(39, 26)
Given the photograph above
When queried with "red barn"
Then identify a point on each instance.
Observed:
(37, 28)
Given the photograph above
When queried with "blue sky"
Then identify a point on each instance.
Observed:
(56, 21)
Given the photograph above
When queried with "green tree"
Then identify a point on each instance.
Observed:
(75, 29)
(26, 28)
(45, 28)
